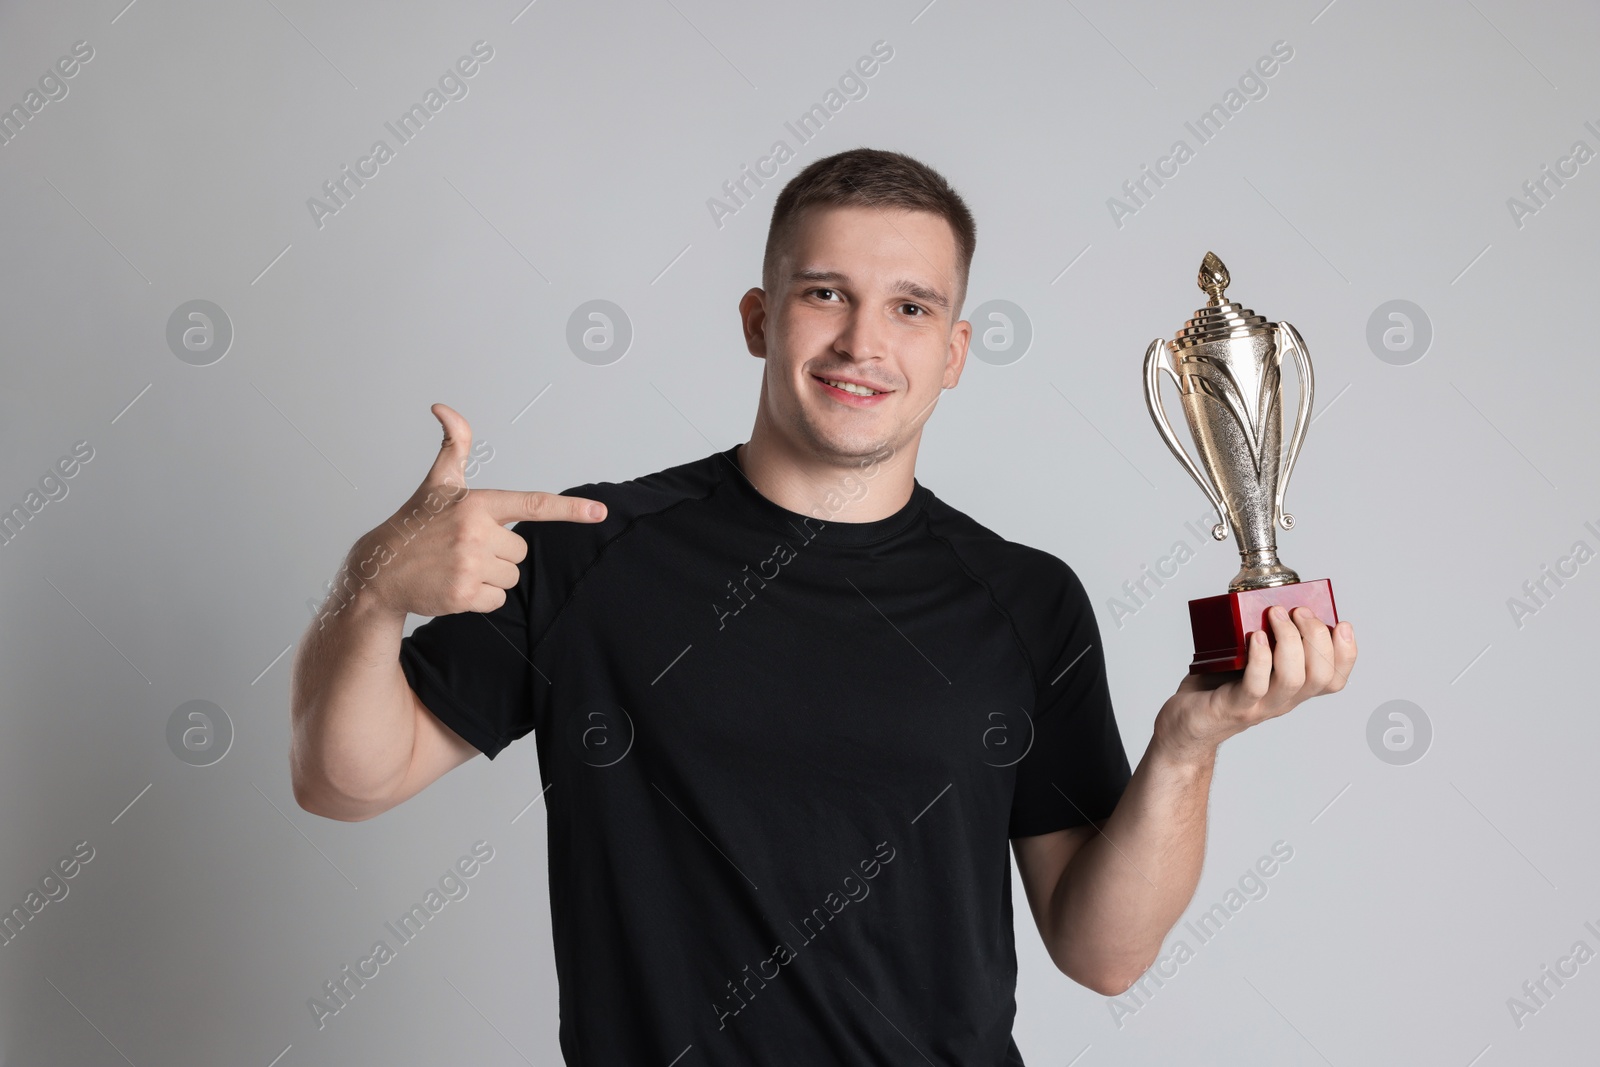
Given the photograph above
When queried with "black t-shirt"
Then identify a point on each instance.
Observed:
(783, 759)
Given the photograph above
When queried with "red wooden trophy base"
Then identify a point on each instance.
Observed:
(1221, 622)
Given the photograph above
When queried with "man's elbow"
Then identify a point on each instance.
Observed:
(336, 807)
(321, 798)
(1106, 979)
(1111, 986)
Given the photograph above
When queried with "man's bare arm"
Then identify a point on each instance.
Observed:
(1104, 901)
(362, 741)
(1100, 909)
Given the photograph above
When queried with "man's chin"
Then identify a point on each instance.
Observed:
(832, 446)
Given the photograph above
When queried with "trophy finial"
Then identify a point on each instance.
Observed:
(1213, 278)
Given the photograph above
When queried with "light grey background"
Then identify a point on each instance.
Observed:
(221, 498)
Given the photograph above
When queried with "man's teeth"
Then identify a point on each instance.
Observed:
(851, 387)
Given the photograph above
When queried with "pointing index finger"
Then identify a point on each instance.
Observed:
(508, 505)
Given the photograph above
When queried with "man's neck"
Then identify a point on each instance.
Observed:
(863, 489)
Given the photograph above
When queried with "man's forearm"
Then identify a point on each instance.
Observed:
(350, 705)
(1123, 889)
(1127, 885)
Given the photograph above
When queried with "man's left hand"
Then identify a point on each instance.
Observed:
(1309, 659)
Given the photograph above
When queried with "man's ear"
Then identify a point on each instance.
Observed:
(960, 337)
(753, 314)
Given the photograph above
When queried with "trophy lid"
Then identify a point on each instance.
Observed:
(1220, 319)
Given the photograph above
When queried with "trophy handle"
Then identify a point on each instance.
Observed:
(1292, 340)
(1152, 398)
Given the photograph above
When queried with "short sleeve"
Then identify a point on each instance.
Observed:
(473, 669)
(1076, 769)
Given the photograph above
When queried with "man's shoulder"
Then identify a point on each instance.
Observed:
(647, 493)
(993, 556)
(1036, 590)
(632, 500)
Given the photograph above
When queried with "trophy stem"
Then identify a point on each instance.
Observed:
(1260, 569)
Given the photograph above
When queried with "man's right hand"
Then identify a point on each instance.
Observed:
(447, 550)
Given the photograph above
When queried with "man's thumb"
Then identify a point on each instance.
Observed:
(451, 461)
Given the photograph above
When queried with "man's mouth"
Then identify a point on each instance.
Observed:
(850, 387)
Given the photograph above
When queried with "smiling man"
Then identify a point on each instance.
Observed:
(791, 709)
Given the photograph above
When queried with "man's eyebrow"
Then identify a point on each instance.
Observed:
(903, 287)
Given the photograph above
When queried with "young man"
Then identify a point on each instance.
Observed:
(789, 706)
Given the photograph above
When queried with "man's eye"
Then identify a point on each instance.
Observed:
(824, 290)
(918, 307)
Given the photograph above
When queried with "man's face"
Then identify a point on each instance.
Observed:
(864, 295)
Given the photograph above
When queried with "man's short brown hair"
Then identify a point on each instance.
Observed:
(871, 177)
